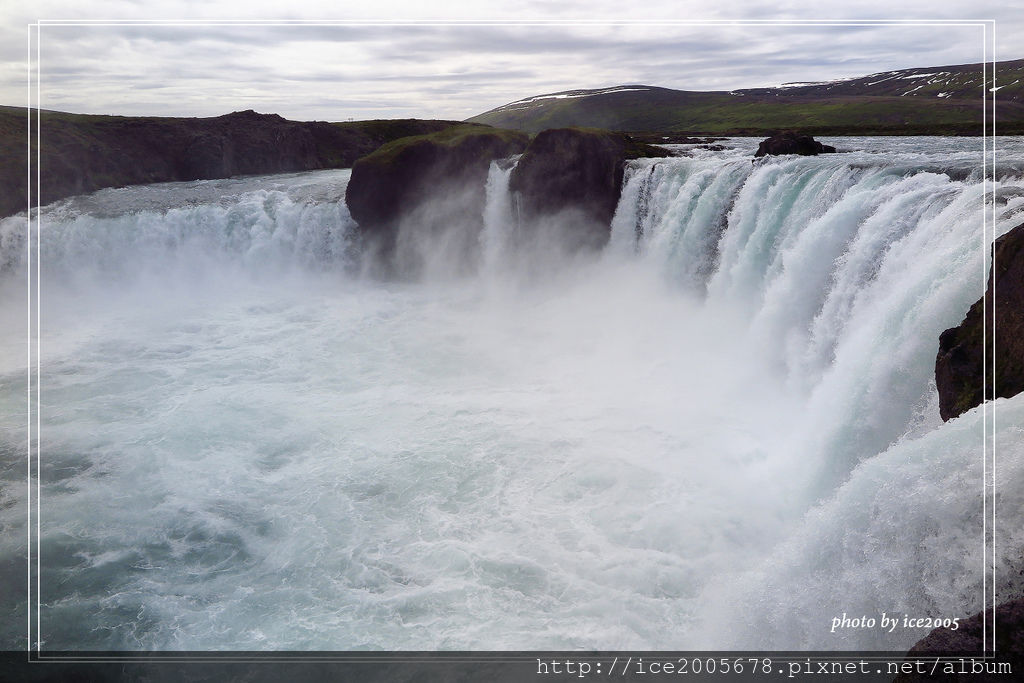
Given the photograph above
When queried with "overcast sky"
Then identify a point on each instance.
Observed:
(422, 70)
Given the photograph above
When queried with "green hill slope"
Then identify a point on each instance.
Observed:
(932, 101)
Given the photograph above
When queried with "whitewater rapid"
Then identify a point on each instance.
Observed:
(722, 431)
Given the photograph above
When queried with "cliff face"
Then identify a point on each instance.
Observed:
(575, 175)
(403, 174)
(960, 367)
(419, 189)
(428, 190)
(79, 153)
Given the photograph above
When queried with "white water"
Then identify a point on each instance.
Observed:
(721, 432)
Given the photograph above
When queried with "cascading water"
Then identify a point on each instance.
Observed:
(847, 266)
(499, 217)
(284, 222)
(721, 432)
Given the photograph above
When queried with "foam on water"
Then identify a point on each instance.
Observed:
(721, 432)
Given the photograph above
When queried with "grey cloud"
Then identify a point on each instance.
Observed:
(450, 71)
(466, 76)
(246, 35)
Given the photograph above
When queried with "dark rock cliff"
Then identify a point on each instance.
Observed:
(969, 640)
(575, 175)
(960, 372)
(421, 186)
(82, 153)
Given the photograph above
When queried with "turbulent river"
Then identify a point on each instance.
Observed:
(721, 431)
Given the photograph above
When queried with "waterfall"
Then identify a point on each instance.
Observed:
(842, 271)
(721, 430)
(499, 216)
(192, 228)
(845, 269)
(673, 212)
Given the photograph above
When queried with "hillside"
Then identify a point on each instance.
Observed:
(946, 82)
(930, 101)
(81, 153)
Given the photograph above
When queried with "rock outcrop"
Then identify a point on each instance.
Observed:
(960, 372)
(83, 153)
(969, 640)
(417, 187)
(789, 142)
(573, 177)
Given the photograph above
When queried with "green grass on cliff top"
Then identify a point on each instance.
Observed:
(449, 137)
(632, 149)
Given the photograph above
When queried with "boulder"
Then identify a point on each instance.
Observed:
(969, 640)
(960, 372)
(573, 176)
(789, 142)
(421, 184)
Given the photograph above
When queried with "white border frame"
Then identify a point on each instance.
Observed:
(34, 456)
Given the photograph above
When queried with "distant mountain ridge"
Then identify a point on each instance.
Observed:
(944, 100)
(962, 81)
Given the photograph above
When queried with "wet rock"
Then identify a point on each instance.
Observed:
(961, 377)
(969, 641)
(789, 142)
(425, 184)
(572, 177)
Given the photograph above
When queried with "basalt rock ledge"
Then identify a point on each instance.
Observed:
(426, 189)
(962, 377)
